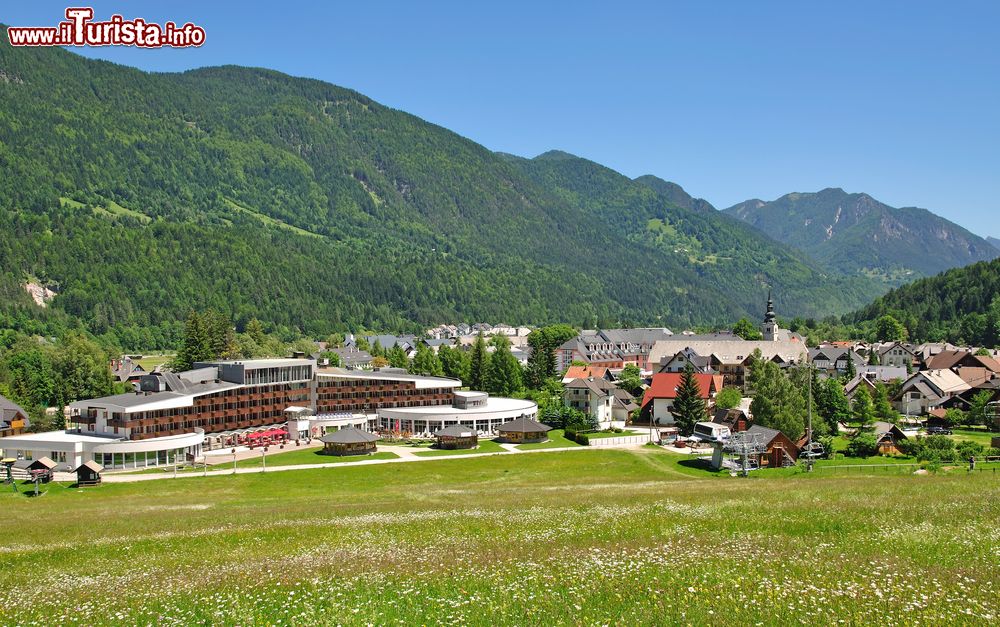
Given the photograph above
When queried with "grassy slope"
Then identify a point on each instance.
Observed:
(581, 537)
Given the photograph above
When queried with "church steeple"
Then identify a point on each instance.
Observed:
(770, 316)
(770, 328)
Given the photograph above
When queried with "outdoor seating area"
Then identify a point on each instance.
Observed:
(250, 437)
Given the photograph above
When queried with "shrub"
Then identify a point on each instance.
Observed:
(966, 449)
(863, 445)
(570, 434)
(582, 439)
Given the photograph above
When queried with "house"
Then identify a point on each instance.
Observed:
(622, 407)
(611, 348)
(13, 418)
(737, 419)
(780, 450)
(587, 372)
(689, 357)
(928, 389)
(959, 359)
(658, 400)
(435, 344)
(872, 375)
(353, 358)
(594, 397)
(126, 370)
(895, 354)
(835, 360)
(888, 436)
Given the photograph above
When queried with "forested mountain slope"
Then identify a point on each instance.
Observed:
(960, 305)
(860, 236)
(140, 196)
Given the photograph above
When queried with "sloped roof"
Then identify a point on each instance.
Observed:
(583, 372)
(349, 435)
(597, 386)
(10, 410)
(665, 385)
(524, 425)
(91, 466)
(766, 434)
(456, 431)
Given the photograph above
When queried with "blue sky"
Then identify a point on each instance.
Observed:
(732, 100)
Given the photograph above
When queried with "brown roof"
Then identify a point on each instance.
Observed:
(524, 425)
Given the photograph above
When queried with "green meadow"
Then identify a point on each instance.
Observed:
(584, 537)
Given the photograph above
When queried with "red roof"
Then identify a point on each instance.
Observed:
(665, 385)
(585, 372)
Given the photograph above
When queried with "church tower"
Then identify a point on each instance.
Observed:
(770, 328)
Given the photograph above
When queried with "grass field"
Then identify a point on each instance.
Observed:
(589, 537)
(557, 439)
(307, 456)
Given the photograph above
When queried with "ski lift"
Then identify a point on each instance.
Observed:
(812, 450)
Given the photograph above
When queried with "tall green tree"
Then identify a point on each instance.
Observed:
(454, 363)
(881, 406)
(630, 379)
(397, 357)
(888, 329)
(689, 407)
(862, 408)
(543, 343)
(746, 330)
(503, 377)
(479, 363)
(777, 402)
(426, 362)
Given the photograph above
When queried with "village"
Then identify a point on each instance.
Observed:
(732, 403)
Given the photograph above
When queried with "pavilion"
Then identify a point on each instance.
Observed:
(522, 430)
(88, 473)
(349, 441)
(456, 437)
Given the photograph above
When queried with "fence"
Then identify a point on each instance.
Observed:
(625, 440)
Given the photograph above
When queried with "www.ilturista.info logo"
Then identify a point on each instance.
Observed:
(79, 29)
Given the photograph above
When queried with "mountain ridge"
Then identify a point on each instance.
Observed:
(858, 235)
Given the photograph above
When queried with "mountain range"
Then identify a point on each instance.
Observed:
(856, 235)
(137, 197)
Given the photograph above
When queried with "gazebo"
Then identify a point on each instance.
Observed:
(457, 437)
(89, 473)
(523, 430)
(349, 441)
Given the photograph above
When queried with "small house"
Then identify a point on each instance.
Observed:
(521, 430)
(781, 451)
(457, 437)
(349, 441)
(88, 473)
(42, 468)
(888, 436)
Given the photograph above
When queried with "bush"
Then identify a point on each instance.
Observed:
(863, 445)
(570, 434)
(966, 449)
(582, 439)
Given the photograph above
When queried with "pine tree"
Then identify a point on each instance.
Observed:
(503, 377)
(426, 362)
(689, 406)
(478, 364)
(882, 407)
(255, 330)
(397, 357)
(862, 408)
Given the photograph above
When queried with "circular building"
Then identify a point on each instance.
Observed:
(522, 430)
(349, 441)
(476, 410)
(456, 437)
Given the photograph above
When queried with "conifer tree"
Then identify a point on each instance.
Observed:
(503, 377)
(689, 406)
(478, 364)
